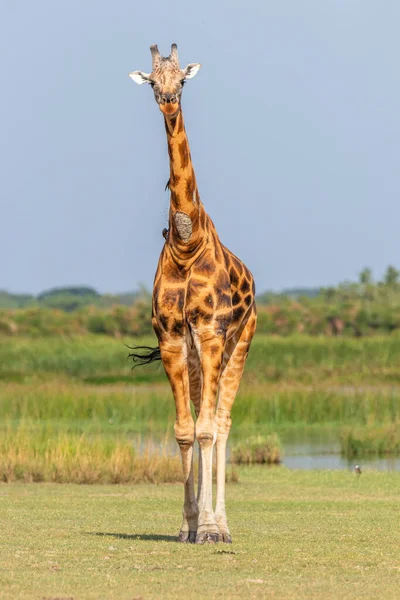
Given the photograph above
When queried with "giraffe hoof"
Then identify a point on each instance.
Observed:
(192, 537)
(226, 538)
(186, 537)
(209, 538)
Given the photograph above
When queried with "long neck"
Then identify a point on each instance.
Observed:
(186, 210)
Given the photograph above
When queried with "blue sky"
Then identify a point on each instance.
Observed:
(293, 123)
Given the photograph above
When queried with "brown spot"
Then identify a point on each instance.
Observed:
(173, 122)
(234, 277)
(215, 349)
(224, 300)
(248, 300)
(181, 299)
(180, 128)
(207, 318)
(193, 316)
(164, 322)
(189, 189)
(222, 284)
(209, 301)
(173, 297)
(184, 154)
(238, 313)
(204, 267)
(196, 313)
(170, 151)
(173, 273)
(223, 322)
(168, 297)
(177, 327)
(245, 287)
(236, 299)
(196, 283)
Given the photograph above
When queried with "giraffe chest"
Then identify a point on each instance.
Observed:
(202, 303)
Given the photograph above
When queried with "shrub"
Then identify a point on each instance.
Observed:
(258, 450)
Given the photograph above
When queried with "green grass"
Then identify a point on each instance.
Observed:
(377, 441)
(257, 450)
(151, 408)
(78, 357)
(294, 359)
(296, 535)
(80, 394)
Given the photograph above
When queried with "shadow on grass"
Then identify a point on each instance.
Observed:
(153, 537)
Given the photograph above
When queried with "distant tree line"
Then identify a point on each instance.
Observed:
(355, 309)
(69, 298)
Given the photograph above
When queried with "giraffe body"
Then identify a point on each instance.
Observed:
(203, 314)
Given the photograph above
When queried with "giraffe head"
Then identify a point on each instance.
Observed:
(167, 79)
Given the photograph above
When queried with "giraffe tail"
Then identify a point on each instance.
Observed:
(144, 355)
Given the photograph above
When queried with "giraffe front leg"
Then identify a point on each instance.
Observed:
(210, 353)
(174, 361)
(232, 370)
(207, 528)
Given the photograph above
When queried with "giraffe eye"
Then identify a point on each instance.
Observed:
(183, 82)
(152, 83)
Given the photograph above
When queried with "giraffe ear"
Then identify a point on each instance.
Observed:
(139, 77)
(191, 70)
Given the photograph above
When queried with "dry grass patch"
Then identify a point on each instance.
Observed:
(66, 458)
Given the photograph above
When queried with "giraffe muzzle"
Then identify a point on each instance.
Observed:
(169, 108)
(168, 99)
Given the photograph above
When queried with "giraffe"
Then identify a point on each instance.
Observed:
(203, 314)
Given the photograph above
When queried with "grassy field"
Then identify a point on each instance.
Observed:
(72, 409)
(296, 535)
(97, 359)
(301, 359)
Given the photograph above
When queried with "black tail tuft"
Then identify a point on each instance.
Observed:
(145, 357)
